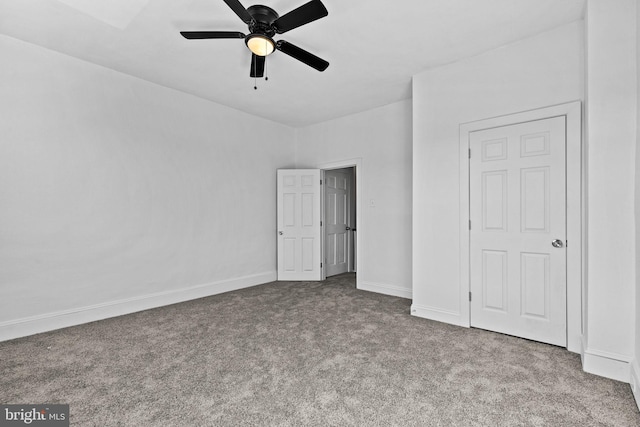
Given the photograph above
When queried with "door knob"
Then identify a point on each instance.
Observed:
(348, 228)
(280, 233)
(557, 243)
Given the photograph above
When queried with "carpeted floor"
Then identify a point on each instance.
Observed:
(304, 353)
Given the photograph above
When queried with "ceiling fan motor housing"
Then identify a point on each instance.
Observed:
(263, 19)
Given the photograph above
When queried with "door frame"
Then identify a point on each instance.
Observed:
(572, 111)
(355, 163)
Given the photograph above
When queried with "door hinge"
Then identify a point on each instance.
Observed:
(320, 182)
(469, 224)
(469, 296)
(469, 152)
(320, 265)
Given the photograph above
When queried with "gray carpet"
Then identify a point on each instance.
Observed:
(306, 353)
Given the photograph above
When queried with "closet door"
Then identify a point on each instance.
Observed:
(518, 265)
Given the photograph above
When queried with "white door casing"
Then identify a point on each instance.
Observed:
(336, 221)
(299, 229)
(517, 208)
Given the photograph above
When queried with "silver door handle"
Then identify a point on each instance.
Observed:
(557, 243)
(280, 233)
(348, 228)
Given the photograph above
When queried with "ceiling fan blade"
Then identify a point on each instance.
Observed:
(257, 66)
(306, 13)
(240, 10)
(302, 55)
(195, 35)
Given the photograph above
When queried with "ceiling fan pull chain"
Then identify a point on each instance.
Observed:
(266, 70)
(255, 78)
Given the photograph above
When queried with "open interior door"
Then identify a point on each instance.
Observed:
(299, 229)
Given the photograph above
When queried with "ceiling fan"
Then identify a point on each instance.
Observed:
(264, 23)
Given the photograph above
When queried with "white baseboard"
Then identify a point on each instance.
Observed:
(61, 319)
(438, 315)
(380, 288)
(605, 364)
(634, 381)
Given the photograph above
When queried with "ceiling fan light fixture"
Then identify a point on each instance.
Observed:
(263, 24)
(260, 44)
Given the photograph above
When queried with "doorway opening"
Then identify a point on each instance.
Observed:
(301, 217)
(354, 166)
(340, 223)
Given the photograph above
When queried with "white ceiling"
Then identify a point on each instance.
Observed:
(373, 46)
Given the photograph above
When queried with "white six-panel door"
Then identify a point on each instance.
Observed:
(336, 222)
(299, 230)
(518, 230)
